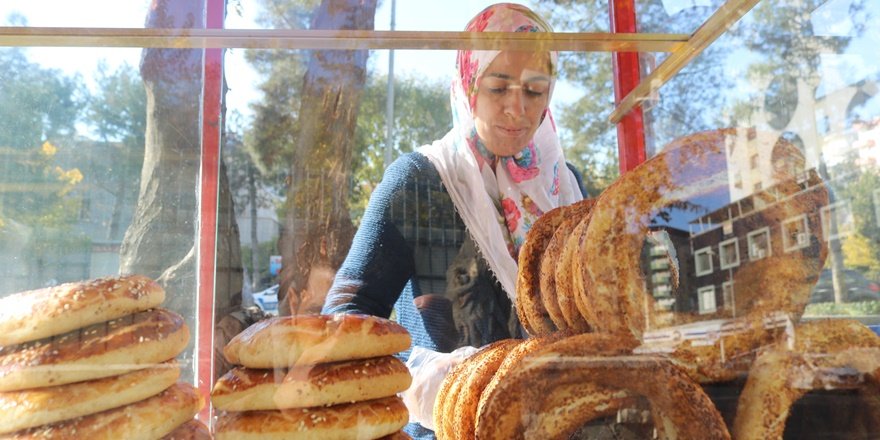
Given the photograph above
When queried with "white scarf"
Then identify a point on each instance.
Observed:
(469, 187)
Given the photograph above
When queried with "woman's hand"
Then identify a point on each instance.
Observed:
(428, 369)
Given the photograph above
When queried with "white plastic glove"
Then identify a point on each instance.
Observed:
(428, 369)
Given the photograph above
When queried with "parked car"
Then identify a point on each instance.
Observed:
(858, 288)
(267, 300)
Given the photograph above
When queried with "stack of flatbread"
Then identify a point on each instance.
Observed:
(95, 360)
(314, 377)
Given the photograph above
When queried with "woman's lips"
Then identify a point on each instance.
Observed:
(512, 132)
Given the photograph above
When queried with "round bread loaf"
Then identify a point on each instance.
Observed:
(367, 420)
(191, 430)
(556, 276)
(482, 362)
(36, 314)
(41, 406)
(101, 350)
(148, 419)
(681, 407)
(245, 389)
(811, 359)
(312, 339)
(529, 307)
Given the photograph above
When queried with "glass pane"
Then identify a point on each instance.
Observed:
(800, 84)
(674, 16)
(100, 153)
(415, 15)
(260, 146)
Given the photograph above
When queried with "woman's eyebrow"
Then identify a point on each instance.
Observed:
(510, 77)
(500, 75)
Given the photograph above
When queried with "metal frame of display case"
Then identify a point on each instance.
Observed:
(623, 40)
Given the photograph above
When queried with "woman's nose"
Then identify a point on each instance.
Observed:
(514, 103)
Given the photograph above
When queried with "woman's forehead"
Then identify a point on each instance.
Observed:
(514, 64)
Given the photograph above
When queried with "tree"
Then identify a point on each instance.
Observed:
(37, 209)
(787, 51)
(306, 124)
(251, 190)
(38, 104)
(591, 140)
(160, 242)
(263, 161)
(421, 116)
(862, 249)
(270, 141)
(117, 111)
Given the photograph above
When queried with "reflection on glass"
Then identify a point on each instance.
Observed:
(72, 152)
(100, 162)
(674, 16)
(703, 261)
(729, 253)
(759, 243)
(795, 233)
(806, 91)
(706, 299)
(837, 220)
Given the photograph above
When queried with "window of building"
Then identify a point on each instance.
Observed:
(706, 299)
(759, 243)
(795, 233)
(837, 220)
(727, 296)
(729, 253)
(703, 261)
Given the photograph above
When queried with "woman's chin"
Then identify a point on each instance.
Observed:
(508, 148)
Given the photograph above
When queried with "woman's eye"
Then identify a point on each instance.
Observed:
(536, 89)
(497, 90)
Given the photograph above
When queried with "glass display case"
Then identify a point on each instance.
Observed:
(189, 186)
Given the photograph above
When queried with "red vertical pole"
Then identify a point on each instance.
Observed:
(630, 129)
(208, 195)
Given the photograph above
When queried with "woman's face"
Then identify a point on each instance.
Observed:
(512, 95)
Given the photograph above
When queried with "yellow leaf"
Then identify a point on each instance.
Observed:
(48, 149)
(73, 176)
(857, 251)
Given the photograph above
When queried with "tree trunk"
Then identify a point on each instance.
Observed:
(255, 242)
(317, 227)
(161, 240)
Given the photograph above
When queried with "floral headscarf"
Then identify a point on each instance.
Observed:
(520, 188)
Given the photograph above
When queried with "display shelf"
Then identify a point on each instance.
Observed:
(333, 39)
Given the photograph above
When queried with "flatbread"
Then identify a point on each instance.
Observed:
(367, 420)
(145, 420)
(312, 339)
(40, 406)
(246, 389)
(101, 350)
(191, 430)
(37, 314)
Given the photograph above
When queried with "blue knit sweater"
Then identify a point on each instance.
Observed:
(412, 257)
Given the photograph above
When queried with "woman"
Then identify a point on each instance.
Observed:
(477, 191)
